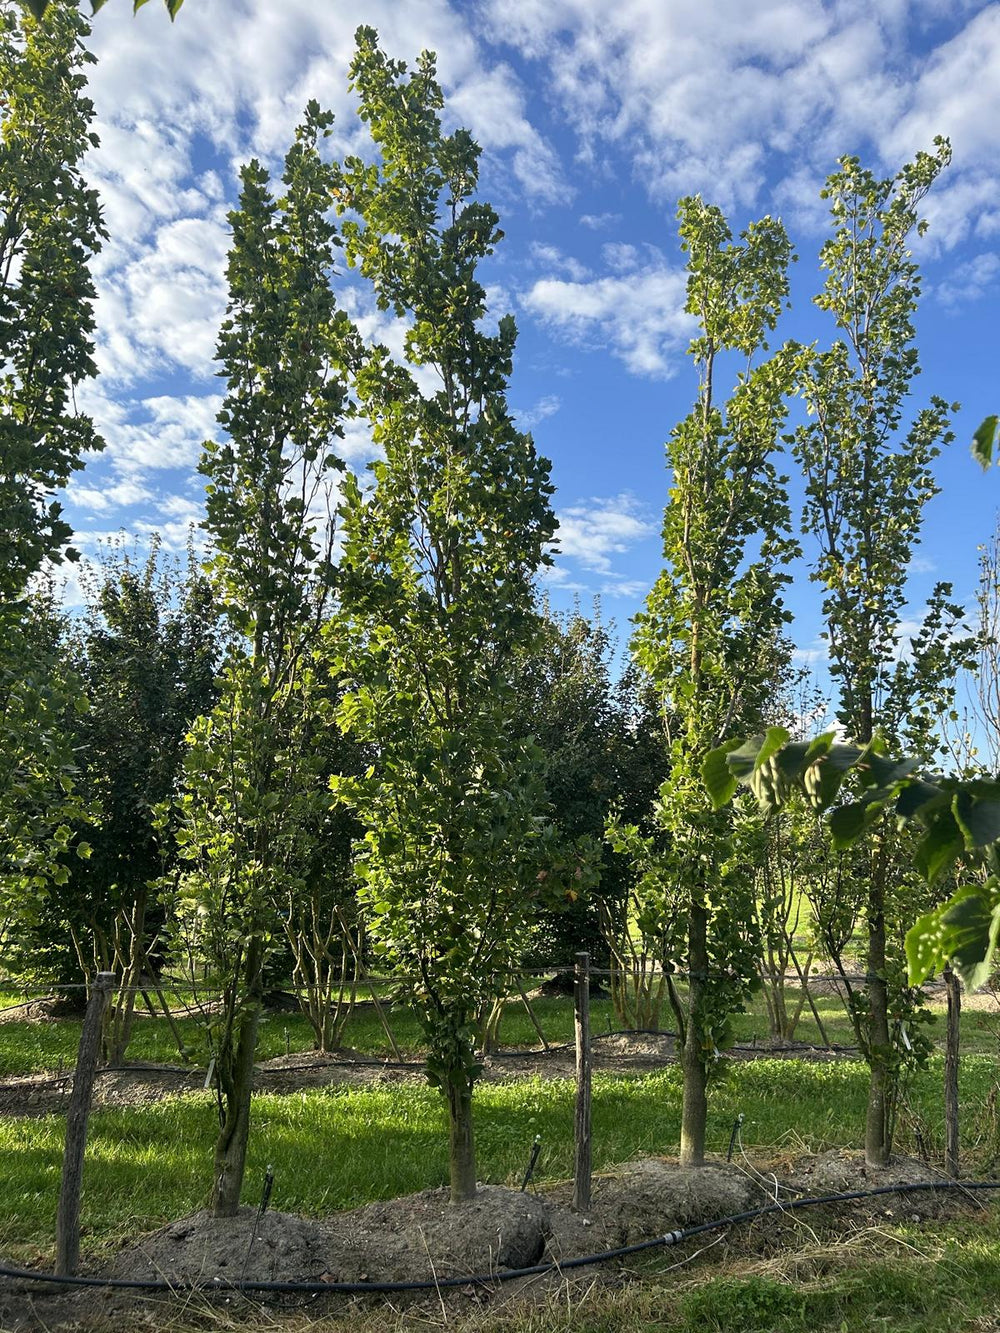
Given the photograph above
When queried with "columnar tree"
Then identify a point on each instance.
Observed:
(708, 632)
(254, 783)
(143, 654)
(439, 557)
(50, 227)
(868, 478)
(146, 651)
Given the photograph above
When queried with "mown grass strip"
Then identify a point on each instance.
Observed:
(340, 1147)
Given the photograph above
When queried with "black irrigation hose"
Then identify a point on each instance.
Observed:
(506, 1275)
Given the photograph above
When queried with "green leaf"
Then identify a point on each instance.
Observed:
(832, 763)
(847, 823)
(924, 945)
(791, 758)
(742, 759)
(887, 772)
(979, 820)
(917, 799)
(984, 441)
(939, 846)
(37, 7)
(718, 776)
(972, 923)
(963, 932)
(774, 740)
(173, 6)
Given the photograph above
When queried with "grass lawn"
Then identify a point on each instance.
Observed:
(339, 1147)
(342, 1146)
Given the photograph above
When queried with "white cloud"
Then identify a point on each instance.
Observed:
(970, 280)
(593, 530)
(98, 500)
(167, 303)
(628, 588)
(639, 315)
(148, 435)
(547, 406)
(552, 258)
(716, 99)
(598, 221)
(957, 94)
(357, 446)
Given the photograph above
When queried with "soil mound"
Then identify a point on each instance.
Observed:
(416, 1238)
(202, 1248)
(841, 1171)
(651, 1197)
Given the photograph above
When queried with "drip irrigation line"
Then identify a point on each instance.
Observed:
(671, 1238)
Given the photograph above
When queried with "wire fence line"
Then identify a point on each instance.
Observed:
(388, 979)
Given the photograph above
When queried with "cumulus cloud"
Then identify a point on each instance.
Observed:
(598, 221)
(99, 500)
(637, 313)
(970, 280)
(706, 98)
(594, 530)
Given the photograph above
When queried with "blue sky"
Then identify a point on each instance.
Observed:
(594, 119)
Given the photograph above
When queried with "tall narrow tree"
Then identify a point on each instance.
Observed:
(708, 633)
(868, 478)
(50, 227)
(254, 783)
(439, 559)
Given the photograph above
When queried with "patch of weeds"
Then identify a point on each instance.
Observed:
(754, 1304)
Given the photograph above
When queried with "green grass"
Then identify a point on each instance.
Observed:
(339, 1147)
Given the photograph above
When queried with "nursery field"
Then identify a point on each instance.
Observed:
(337, 1144)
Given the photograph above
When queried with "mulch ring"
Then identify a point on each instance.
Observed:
(423, 1238)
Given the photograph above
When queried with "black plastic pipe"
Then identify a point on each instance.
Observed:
(506, 1275)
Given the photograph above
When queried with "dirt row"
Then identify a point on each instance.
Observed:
(45, 1093)
(423, 1238)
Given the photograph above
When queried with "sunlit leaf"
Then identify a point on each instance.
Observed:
(984, 441)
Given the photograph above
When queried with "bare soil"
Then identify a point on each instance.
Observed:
(425, 1239)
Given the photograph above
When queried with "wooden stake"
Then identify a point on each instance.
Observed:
(68, 1215)
(581, 1127)
(951, 1057)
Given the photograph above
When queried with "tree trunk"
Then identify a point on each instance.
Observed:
(235, 1073)
(694, 1108)
(881, 1086)
(461, 1143)
(951, 1059)
(121, 1015)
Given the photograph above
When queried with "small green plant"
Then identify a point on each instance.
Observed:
(742, 1305)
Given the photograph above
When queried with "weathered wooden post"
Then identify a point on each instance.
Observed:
(68, 1216)
(951, 1058)
(581, 1127)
